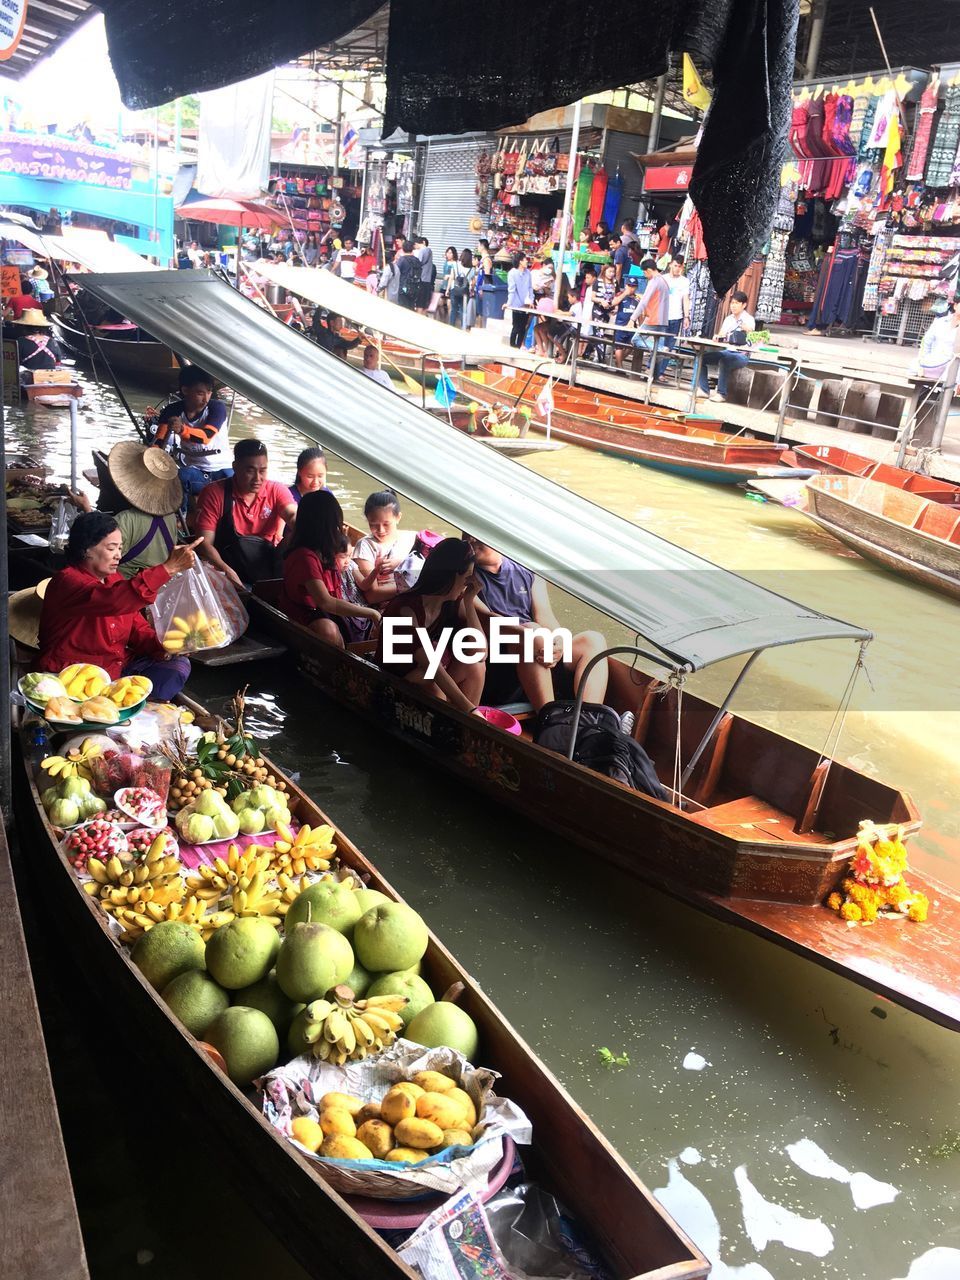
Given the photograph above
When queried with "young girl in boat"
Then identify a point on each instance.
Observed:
(312, 592)
(443, 598)
(386, 557)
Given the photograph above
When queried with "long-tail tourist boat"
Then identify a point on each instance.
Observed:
(911, 535)
(130, 353)
(328, 1232)
(757, 829)
(661, 438)
(829, 458)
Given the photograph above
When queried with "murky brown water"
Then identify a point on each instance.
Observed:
(792, 1128)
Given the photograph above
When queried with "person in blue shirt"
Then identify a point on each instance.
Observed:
(519, 295)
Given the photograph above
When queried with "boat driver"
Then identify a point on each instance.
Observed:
(197, 422)
(509, 590)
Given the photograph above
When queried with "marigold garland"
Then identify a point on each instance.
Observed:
(875, 885)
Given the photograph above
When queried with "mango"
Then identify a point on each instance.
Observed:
(377, 1137)
(457, 1138)
(405, 1155)
(419, 1134)
(340, 1102)
(407, 1086)
(340, 1147)
(445, 1112)
(369, 1111)
(308, 1133)
(337, 1122)
(464, 1100)
(434, 1081)
(397, 1105)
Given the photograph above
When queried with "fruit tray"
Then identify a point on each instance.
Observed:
(87, 726)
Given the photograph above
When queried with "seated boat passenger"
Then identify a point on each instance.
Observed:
(444, 599)
(311, 473)
(312, 592)
(511, 591)
(242, 519)
(198, 423)
(91, 613)
(36, 347)
(386, 557)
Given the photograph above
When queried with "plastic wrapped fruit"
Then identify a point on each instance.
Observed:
(143, 805)
(140, 842)
(41, 686)
(97, 839)
(62, 711)
(99, 711)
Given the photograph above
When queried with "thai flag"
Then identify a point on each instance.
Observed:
(348, 143)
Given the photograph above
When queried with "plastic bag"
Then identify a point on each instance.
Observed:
(230, 601)
(538, 1237)
(61, 523)
(188, 616)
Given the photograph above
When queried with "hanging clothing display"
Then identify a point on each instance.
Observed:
(611, 201)
(944, 150)
(598, 194)
(923, 128)
(581, 198)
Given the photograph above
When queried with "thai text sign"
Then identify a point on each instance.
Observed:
(63, 161)
(667, 177)
(13, 14)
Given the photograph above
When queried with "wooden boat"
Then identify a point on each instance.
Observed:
(910, 535)
(764, 835)
(462, 419)
(828, 458)
(638, 1239)
(132, 354)
(681, 444)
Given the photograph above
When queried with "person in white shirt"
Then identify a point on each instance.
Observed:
(939, 344)
(678, 312)
(734, 332)
(345, 264)
(372, 369)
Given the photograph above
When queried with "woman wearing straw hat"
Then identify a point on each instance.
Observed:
(147, 498)
(36, 348)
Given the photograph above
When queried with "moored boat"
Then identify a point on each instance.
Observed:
(323, 1229)
(677, 443)
(835, 461)
(130, 352)
(913, 536)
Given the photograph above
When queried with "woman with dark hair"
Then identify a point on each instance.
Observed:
(459, 290)
(311, 250)
(312, 592)
(444, 599)
(311, 473)
(93, 614)
(386, 557)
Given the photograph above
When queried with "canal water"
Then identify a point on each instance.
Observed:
(794, 1125)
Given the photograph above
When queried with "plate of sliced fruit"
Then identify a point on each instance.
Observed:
(143, 805)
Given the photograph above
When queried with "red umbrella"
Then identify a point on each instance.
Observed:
(249, 214)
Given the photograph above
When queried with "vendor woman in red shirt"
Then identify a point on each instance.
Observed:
(91, 613)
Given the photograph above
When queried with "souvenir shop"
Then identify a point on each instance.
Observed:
(389, 184)
(315, 198)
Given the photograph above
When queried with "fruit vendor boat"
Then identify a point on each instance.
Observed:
(661, 438)
(841, 462)
(324, 1230)
(760, 829)
(913, 536)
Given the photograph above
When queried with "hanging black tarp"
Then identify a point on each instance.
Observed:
(504, 70)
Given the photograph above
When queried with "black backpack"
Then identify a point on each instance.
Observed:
(601, 744)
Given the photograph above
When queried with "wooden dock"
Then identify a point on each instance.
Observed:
(39, 1229)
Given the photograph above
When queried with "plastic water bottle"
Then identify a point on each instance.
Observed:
(627, 721)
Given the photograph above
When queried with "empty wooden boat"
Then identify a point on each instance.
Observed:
(828, 458)
(677, 443)
(132, 354)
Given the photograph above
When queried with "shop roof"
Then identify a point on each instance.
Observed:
(923, 33)
(48, 24)
(693, 612)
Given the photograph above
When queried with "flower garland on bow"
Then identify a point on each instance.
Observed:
(875, 884)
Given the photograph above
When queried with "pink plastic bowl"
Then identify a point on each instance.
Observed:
(501, 719)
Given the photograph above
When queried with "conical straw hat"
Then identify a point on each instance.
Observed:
(146, 476)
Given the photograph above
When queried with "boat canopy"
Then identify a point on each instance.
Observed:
(92, 249)
(693, 612)
(373, 312)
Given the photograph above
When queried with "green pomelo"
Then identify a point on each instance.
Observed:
(358, 979)
(389, 937)
(196, 1000)
(407, 984)
(367, 898)
(266, 996)
(327, 902)
(443, 1023)
(248, 1041)
(242, 952)
(311, 956)
(167, 950)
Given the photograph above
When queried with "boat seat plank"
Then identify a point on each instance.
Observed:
(750, 816)
(39, 1229)
(249, 648)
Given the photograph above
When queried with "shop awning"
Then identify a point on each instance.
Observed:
(693, 612)
(373, 312)
(92, 249)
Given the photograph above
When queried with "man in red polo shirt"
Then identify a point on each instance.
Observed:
(241, 520)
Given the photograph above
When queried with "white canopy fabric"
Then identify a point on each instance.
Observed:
(694, 612)
(373, 312)
(92, 249)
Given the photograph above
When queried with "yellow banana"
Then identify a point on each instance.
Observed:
(98, 870)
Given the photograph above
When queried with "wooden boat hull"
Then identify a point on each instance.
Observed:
(316, 1224)
(728, 863)
(513, 447)
(834, 461)
(674, 443)
(142, 361)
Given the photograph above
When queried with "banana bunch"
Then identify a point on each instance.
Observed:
(119, 883)
(72, 765)
(290, 890)
(191, 911)
(253, 896)
(187, 635)
(311, 849)
(347, 1030)
(212, 882)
